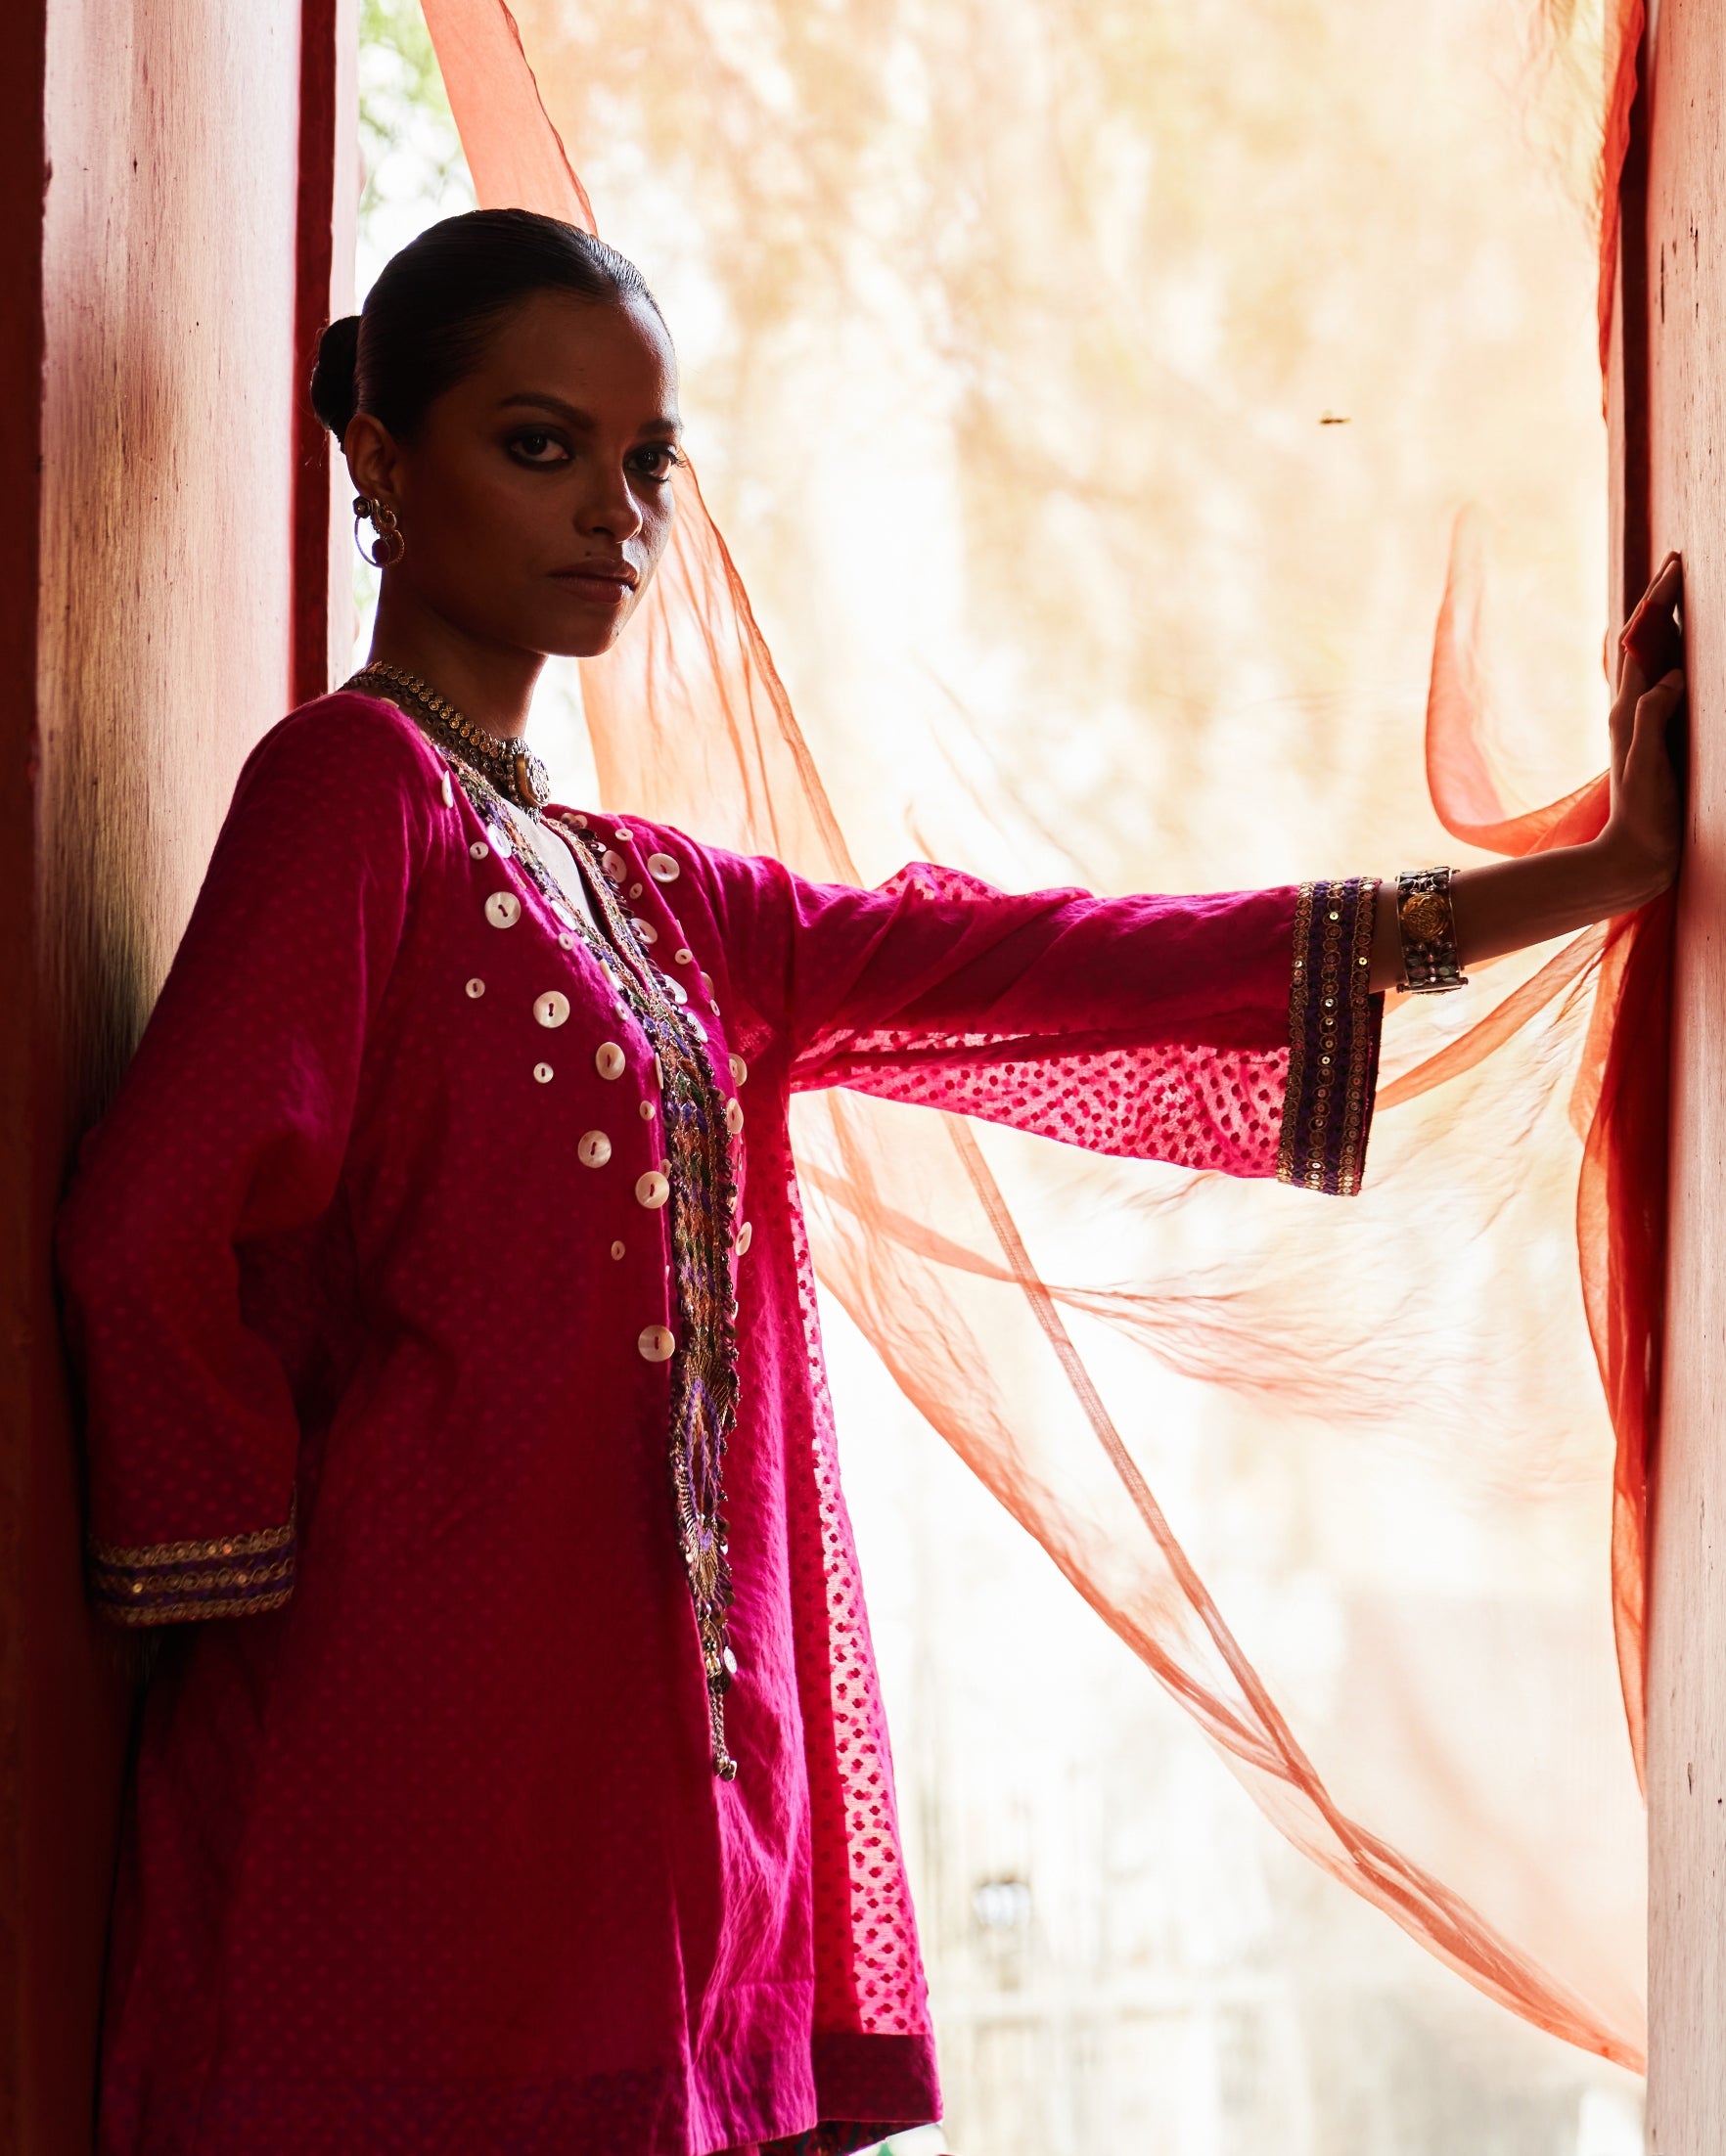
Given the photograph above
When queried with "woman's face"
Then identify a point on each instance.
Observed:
(536, 498)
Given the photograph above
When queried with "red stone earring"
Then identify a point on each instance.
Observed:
(389, 546)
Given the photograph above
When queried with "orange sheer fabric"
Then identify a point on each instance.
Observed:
(1619, 1101)
(689, 722)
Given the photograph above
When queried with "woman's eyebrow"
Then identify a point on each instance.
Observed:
(573, 416)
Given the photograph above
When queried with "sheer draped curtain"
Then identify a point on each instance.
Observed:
(1104, 562)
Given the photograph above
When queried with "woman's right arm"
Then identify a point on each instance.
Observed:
(232, 1123)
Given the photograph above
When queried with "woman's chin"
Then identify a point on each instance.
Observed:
(588, 632)
(574, 643)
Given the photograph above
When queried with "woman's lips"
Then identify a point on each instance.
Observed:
(600, 587)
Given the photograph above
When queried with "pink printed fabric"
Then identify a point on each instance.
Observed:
(423, 1847)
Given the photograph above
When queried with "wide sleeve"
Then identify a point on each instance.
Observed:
(232, 1124)
(1233, 1031)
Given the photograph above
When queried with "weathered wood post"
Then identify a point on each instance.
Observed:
(175, 227)
(1678, 317)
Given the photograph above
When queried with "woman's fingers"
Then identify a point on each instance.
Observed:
(1648, 757)
(1651, 652)
(1621, 719)
(1656, 705)
(1652, 643)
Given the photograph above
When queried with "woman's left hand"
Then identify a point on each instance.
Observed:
(1507, 905)
(1640, 845)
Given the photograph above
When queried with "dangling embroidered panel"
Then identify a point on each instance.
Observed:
(703, 1212)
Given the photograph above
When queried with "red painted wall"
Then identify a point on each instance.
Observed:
(169, 251)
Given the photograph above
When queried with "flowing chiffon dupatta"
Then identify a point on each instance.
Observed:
(1619, 1101)
(909, 1228)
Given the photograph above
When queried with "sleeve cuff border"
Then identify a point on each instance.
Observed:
(1334, 1021)
(168, 1583)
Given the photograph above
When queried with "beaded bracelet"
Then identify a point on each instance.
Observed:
(1425, 924)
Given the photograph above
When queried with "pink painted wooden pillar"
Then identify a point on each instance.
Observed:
(175, 227)
(1683, 485)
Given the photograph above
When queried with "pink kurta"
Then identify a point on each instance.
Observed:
(425, 1852)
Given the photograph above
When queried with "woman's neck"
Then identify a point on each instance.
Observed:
(489, 684)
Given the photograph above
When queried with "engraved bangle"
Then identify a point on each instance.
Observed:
(1425, 925)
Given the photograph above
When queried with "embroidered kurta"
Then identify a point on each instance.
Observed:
(379, 1308)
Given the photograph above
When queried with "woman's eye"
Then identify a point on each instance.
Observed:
(538, 448)
(657, 461)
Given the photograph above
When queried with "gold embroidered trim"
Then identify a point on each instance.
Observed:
(167, 1583)
(1297, 1086)
(139, 1582)
(195, 1552)
(170, 1613)
(703, 1212)
(1333, 1037)
(1363, 1045)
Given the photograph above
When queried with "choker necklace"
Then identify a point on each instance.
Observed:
(511, 766)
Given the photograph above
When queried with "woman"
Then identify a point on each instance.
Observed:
(516, 1780)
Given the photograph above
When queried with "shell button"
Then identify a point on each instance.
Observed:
(616, 1249)
(733, 1117)
(621, 833)
(746, 1234)
(614, 865)
(479, 849)
(652, 1189)
(648, 1111)
(543, 1072)
(593, 1148)
(656, 1344)
(503, 908)
(609, 1059)
(740, 1070)
(662, 868)
(684, 958)
(448, 792)
(475, 987)
(645, 929)
(551, 1008)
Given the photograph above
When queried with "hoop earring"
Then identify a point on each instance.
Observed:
(389, 546)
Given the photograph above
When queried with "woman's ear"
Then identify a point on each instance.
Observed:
(373, 455)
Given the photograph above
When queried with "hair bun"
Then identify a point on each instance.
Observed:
(334, 396)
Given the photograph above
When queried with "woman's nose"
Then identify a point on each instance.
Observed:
(611, 510)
